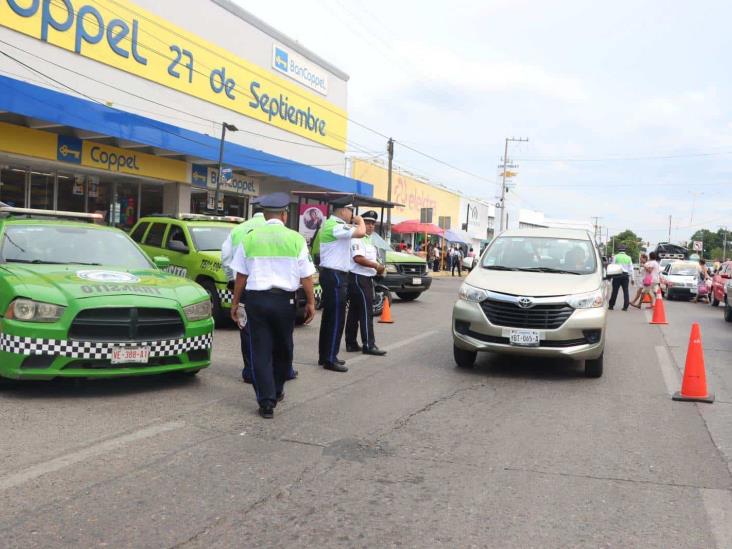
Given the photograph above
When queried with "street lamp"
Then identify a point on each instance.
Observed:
(224, 127)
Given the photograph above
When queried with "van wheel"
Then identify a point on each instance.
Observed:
(216, 309)
(463, 358)
(727, 310)
(593, 368)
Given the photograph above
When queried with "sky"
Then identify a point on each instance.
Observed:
(625, 104)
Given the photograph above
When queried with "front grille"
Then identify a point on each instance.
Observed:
(127, 324)
(102, 364)
(539, 317)
(417, 269)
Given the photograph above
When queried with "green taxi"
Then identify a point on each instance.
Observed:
(81, 300)
(192, 243)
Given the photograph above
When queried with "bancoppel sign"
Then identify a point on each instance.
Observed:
(299, 69)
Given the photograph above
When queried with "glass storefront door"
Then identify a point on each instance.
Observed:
(42, 187)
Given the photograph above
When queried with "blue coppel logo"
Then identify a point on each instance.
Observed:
(281, 59)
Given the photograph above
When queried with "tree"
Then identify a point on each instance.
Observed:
(630, 240)
(713, 242)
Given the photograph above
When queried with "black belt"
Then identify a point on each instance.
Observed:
(334, 270)
(276, 291)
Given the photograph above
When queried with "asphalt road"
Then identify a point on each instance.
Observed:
(405, 450)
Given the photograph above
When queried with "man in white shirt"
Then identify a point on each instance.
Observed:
(364, 267)
(333, 243)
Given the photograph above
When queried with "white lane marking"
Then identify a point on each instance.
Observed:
(394, 346)
(56, 464)
(668, 369)
(718, 505)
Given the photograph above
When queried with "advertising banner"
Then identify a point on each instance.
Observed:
(312, 217)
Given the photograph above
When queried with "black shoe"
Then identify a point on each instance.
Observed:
(625, 308)
(281, 397)
(334, 367)
(609, 308)
(373, 351)
(353, 348)
(246, 378)
(292, 375)
(337, 361)
(267, 412)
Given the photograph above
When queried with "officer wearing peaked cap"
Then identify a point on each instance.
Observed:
(271, 263)
(364, 267)
(334, 244)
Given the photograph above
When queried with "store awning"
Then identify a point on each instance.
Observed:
(414, 226)
(60, 109)
(460, 237)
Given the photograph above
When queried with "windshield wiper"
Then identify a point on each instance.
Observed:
(548, 270)
(500, 268)
(35, 261)
(82, 263)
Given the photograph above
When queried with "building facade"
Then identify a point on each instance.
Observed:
(118, 108)
(478, 220)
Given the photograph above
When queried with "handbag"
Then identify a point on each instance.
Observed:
(648, 279)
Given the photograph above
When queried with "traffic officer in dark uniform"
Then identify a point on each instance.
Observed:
(271, 263)
(364, 267)
(334, 245)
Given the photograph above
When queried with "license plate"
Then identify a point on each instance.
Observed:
(692, 290)
(524, 338)
(127, 355)
(416, 281)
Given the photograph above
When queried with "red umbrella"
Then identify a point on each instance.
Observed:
(414, 226)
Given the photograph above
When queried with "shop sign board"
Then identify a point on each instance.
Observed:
(312, 217)
(205, 177)
(300, 69)
(126, 37)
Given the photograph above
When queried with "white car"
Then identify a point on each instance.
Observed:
(679, 279)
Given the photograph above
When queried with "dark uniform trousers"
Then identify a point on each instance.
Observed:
(360, 310)
(335, 293)
(620, 282)
(271, 321)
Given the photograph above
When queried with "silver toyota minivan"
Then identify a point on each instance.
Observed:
(535, 292)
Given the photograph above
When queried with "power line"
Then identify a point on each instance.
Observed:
(627, 158)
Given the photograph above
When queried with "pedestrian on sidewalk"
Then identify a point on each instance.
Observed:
(436, 260)
(623, 280)
(271, 262)
(457, 261)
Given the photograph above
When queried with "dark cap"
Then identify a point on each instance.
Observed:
(622, 248)
(370, 215)
(273, 202)
(343, 202)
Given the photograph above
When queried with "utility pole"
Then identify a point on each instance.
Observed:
(390, 150)
(504, 219)
(669, 229)
(597, 226)
(724, 250)
(224, 127)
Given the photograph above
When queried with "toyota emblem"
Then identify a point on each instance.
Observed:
(525, 302)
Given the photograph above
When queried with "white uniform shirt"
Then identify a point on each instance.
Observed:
(265, 273)
(364, 248)
(335, 248)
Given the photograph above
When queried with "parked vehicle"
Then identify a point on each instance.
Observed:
(719, 283)
(406, 275)
(535, 292)
(81, 300)
(679, 280)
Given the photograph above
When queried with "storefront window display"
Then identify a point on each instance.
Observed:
(71, 191)
(12, 187)
(41, 190)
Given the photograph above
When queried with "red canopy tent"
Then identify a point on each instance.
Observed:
(414, 226)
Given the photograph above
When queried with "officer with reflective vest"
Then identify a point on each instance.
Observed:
(364, 267)
(271, 262)
(333, 242)
(622, 281)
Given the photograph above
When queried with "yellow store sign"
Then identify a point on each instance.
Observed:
(123, 35)
(411, 192)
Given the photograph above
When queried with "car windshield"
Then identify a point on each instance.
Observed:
(541, 254)
(209, 238)
(59, 244)
(684, 269)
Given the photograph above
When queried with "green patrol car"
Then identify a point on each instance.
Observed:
(81, 300)
(406, 275)
(192, 243)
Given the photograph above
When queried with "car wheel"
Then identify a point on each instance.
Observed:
(216, 309)
(727, 311)
(593, 368)
(408, 297)
(300, 316)
(463, 358)
(379, 298)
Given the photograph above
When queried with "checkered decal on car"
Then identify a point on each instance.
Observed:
(318, 292)
(96, 350)
(226, 296)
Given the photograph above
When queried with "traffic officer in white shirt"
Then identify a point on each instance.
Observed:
(271, 263)
(364, 267)
(334, 244)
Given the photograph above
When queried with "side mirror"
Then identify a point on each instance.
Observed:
(177, 246)
(613, 270)
(161, 262)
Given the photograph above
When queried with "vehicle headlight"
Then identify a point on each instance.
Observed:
(198, 311)
(391, 268)
(586, 301)
(28, 310)
(471, 293)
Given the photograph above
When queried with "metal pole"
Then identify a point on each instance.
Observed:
(724, 250)
(390, 150)
(501, 226)
(221, 166)
(669, 229)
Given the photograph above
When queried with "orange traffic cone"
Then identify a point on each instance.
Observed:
(386, 312)
(694, 385)
(647, 298)
(659, 312)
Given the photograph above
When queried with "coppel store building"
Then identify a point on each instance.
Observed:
(117, 107)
